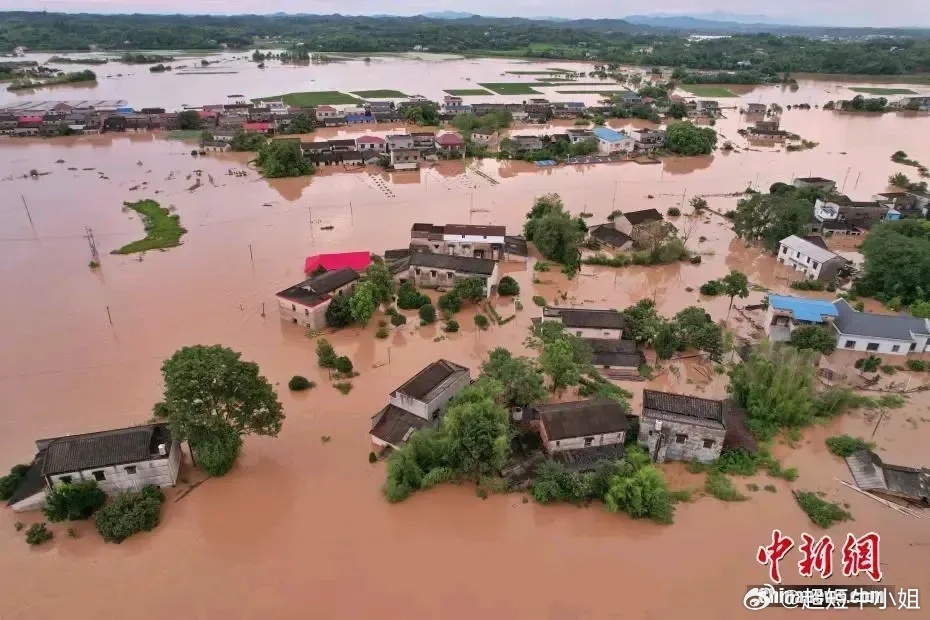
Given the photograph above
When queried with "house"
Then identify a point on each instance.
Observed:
(450, 143)
(577, 135)
(482, 136)
(352, 158)
(226, 135)
(628, 97)
(767, 126)
(359, 261)
(441, 271)
(527, 142)
(638, 225)
(858, 214)
(616, 359)
(708, 107)
(599, 426)
(418, 403)
(259, 127)
(818, 182)
(607, 235)
(756, 108)
(895, 481)
(907, 203)
(123, 459)
(305, 304)
(334, 121)
(315, 148)
(359, 119)
(371, 143)
(423, 139)
(471, 240)
(587, 323)
(217, 146)
(812, 260)
(379, 106)
(610, 141)
(785, 313)
(676, 427)
(347, 144)
(883, 334)
(399, 141)
(388, 117)
(404, 158)
(324, 112)
(648, 139)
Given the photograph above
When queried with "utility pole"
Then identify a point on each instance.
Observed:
(251, 256)
(109, 316)
(94, 255)
(848, 170)
(29, 215)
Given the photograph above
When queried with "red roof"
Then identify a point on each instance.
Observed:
(206, 113)
(256, 126)
(370, 140)
(326, 108)
(450, 139)
(358, 261)
(29, 119)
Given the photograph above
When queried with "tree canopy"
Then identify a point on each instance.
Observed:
(283, 158)
(554, 232)
(686, 138)
(522, 384)
(897, 261)
(770, 218)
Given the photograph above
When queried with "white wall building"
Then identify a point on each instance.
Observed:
(881, 334)
(582, 424)
(815, 262)
(305, 304)
(587, 323)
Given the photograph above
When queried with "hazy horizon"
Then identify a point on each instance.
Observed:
(849, 13)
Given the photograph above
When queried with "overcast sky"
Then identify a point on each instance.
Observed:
(827, 12)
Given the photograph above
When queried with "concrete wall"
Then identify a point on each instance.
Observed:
(576, 443)
(885, 346)
(444, 278)
(595, 332)
(311, 317)
(691, 448)
(433, 409)
(160, 472)
(468, 248)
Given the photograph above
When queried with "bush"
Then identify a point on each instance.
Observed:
(508, 287)
(674, 212)
(451, 302)
(482, 321)
(372, 457)
(821, 512)
(409, 298)
(160, 409)
(844, 445)
(344, 365)
(382, 333)
(325, 354)
(814, 337)
(10, 482)
(808, 285)
(38, 533)
(73, 501)
(427, 314)
(450, 327)
(217, 456)
(712, 288)
(344, 387)
(130, 513)
(915, 365)
(398, 319)
(299, 384)
(869, 363)
(771, 488)
(539, 300)
(722, 488)
(888, 369)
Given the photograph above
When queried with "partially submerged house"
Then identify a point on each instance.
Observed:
(607, 235)
(123, 459)
(815, 262)
(305, 304)
(405, 158)
(894, 481)
(786, 313)
(886, 334)
(616, 359)
(587, 323)
(418, 403)
(676, 427)
(441, 271)
(840, 215)
(359, 261)
(756, 108)
(610, 141)
(818, 182)
(473, 240)
(581, 433)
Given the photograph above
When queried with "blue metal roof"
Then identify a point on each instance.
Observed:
(607, 134)
(812, 310)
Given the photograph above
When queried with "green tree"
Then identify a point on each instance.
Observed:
(478, 430)
(686, 138)
(130, 513)
(339, 311)
(212, 395)
(553, 231)
(920, 309)
(364, 302)
(450, 302)
(677, 110)
(735, 284)
(189, 120)
(427, 314)
(381, 280)
(666, 341)
(283, 158)
(325, 354)
(897, 261)
(73, 501)
(641, 321)
(899, 180)
(301, 123)
(771, 218)
(814, 337)
(557, 361)
(508, 287)
(471, 289)
(522, 385)
(424, 113)
(217, 453)
(641, 495)
(247, 141)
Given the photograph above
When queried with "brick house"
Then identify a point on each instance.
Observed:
(587, 323)
(676, 427)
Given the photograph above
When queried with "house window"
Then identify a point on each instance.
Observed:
(708, 444)
(578, 333)
(784, 250)
(557, 443)
(681, 438)
(620, 436)
(913, 346)
(99, 476)
(450, 274)
(895, 348)
(815, 264)
(417, 271)
(588, 441)
(65, 480)
(850, 344)
(131, 470)
(872, 346)
(432, 273)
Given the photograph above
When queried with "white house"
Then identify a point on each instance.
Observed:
(305, 304)
(582, 424)
(610, 141)
(473, 240)
(786, 313)
(324, 112)
(879, 333)
(585, 323)
(815, 262)
(418, 403)
(124, 459)
(430, 270)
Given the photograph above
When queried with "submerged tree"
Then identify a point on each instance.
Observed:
(522, 385)
(735, 284)
(554, 232)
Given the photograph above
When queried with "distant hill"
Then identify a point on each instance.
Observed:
(449, 15)
(756, 24)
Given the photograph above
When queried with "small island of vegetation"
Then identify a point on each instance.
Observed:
(62, 78)
(162, 228)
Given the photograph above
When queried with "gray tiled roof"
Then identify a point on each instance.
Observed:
(586, 318)
(104, 448)
(606, 233)
(461, 264)
(657, 404)
(614, 352)
(582, 418)
(425, 381)
(394, 425)
(853, 323)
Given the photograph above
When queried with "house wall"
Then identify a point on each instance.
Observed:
(623, 225)
(492, 250)
(690, 449)
(33, 502)
(311, 317)
(160, 472)
(445, 278)
(432, 410)
(576, 443)
(595, 332)
(885, 346)
(811, 268)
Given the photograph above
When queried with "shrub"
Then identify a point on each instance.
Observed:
(820, 511)
(38, 533)
(218, 455)
(915, 365)
(344, 387)
(451, 302)
(844, 445)
(808, 285)
(674, 212)
(398, 319)
(18, 526)
(539, 300)
(372, 457)
(10, 482)
(160, 409)
(814, 337)
(508, 287)
(409, 298)
(712, 288)
(771, 488)
(382, 333)
(427, 314)
(482, 321)
(696, 259)
(888, 369)
(722, 488)
(73, 501)
(130, 513)
(325, 354)
(344, 365)
(869, 363)
(299, 384)
(450, 327)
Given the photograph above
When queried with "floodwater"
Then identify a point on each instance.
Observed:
(299, 529)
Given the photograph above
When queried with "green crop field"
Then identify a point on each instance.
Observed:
(604, 93)
(467, 92)
(380, 94)
(708, 90)
(882, 91)
(313, 98)
(511, 88)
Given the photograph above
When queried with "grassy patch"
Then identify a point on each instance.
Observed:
(468, 92)
(511, 88)
(722, 488)
(385, 93)
(882, 91)
(845, 445)
(602, 93)
(313, 98)
(820, 511)
(529, 72)
(162, 228)
(708, 90)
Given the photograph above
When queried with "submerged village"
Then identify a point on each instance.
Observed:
(519, 348)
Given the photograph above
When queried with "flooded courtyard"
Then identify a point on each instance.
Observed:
(299, 528)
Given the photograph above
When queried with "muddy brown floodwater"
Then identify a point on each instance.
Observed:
(299, 529)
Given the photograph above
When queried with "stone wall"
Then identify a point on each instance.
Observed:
(681, 441)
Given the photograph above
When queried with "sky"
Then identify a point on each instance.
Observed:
(904, 13)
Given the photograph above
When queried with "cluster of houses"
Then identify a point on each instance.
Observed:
(400, 151)
(629, 230)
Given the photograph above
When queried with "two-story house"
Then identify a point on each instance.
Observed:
(587, 323)
(371, 143)
(840, 214)
(610, 141)
(399, 141)
(404, 159)
(580, 433)
(305, 304)
(640, 226)
(676, 427)
(648, 139)
(450, 143)
(324, 112)
(418, 403)
(472, 240)
(828, 185)
(815, 262)
(442, 271)
(756, 108)
(526, 142)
